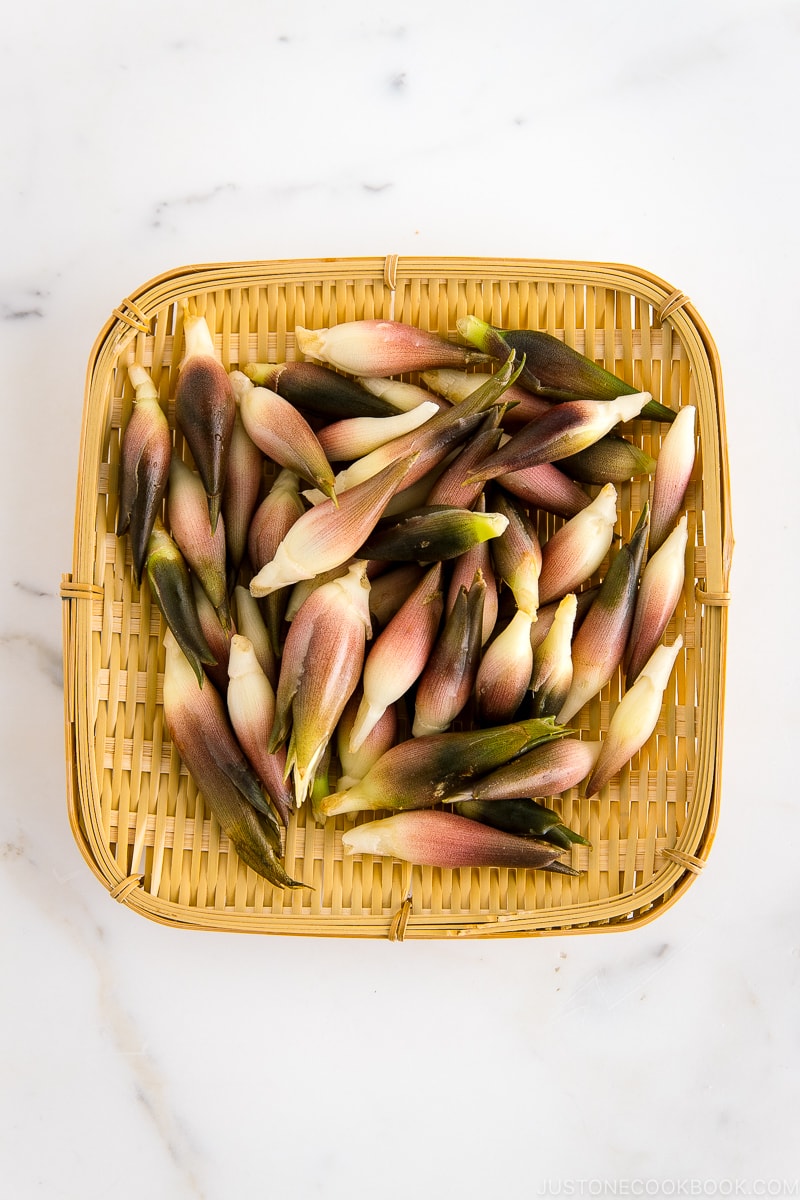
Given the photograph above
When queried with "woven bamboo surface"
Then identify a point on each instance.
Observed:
(135, 812)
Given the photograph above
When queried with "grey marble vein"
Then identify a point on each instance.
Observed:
(30, 589)
(63, 908)
(47, 660)
(191, 200)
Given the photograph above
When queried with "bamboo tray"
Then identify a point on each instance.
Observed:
(135, 813)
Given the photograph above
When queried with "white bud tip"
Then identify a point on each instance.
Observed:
(630, 406)
(242, 656)
(309, 341)
(240, 384)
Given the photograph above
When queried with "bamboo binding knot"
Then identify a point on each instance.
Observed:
(671, 305)
(122, 891)
(398, 923)
(132, 315)
(397, 926)
(390, 271)
(71, 590)
(714, 599)
(690, 861)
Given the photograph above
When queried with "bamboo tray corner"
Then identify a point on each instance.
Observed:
(135, 813)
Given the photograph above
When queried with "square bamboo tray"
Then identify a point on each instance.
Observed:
(136, 814)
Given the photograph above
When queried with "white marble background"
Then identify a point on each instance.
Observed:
(138, 1061)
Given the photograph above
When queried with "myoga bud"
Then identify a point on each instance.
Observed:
(635, 716)
(399, 654)
(317, 389)
(171, 587)
(449, 676)
(199, 728)
(326, 536)
(552, 368)
(203, 549)
(599, 645)
(382, 348)
(251, 707)
(574, 552)
(659, 593)
(242, 483)
(425, 771)
(551, 675)
(144, 467)
(673, 472)
(279, 430)
(205, 410)
(320, 668)
(505, 671)
(547, 770)
(563, 431)
(442, 839)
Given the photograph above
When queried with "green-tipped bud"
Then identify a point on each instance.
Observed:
(546, 770)
(317, 389)
(449, 677)
(381, 348)
(551, 675)
(673, 472)
(635, 716)
(399, 654)
(659, 593)
(432, 534)
(611, 460)
(205, 410)
(326, 536)
(442, 839)
(485, 337)
(574, 552)
(424, 771)
(203, 550)
(523, 817)
(599, 645)
(280, 432)
(144, 467)
(171, 586)
(552, 368)
(505, 671)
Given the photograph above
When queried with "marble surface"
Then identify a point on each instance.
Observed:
(138, 1061)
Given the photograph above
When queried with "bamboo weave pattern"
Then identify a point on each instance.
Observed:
(135, 811)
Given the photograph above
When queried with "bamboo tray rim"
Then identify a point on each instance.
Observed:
(132, 315)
